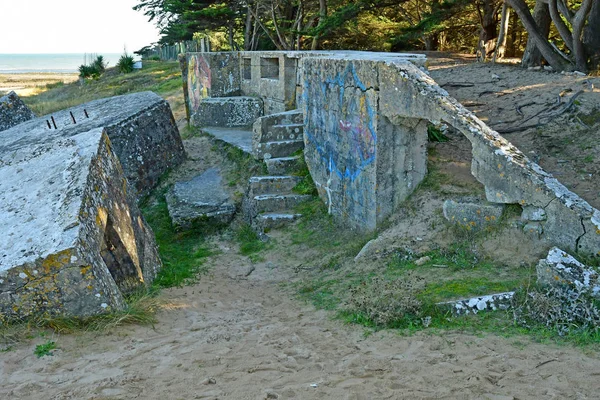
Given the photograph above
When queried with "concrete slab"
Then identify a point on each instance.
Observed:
(201, 198)
(240, 138)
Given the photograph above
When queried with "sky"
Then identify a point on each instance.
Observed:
(73, 26)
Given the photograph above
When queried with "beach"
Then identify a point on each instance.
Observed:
(29, 84)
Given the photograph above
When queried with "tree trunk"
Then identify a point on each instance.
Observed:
(248, 30)
(488, 30)
(578, 23)
(541, 42)
(322, 16)
(501, 45)
(591, 36)
(541, 14)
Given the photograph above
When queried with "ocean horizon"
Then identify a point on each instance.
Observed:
(54, 63)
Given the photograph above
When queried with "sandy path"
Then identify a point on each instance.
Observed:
(232, 337)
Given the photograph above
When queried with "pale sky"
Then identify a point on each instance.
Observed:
(73, 26)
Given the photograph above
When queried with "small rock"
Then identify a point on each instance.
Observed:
(210, 381)
(560, 268)
(423, 260)
(531, 213)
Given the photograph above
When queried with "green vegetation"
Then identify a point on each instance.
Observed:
(141, 309)
(306, 185)
(45, 349)
(163, 78)
(94, 69)
(182, 251)
(125, 63)
(249, 241)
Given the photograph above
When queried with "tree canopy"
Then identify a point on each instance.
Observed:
(562, 33)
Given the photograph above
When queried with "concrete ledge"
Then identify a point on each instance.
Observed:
(239, 111)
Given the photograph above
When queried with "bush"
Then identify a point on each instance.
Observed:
(125, 63)
(94, 70)
(563, 309)
(387, 303)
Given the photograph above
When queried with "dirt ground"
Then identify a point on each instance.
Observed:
(240, 333)
(233, 336)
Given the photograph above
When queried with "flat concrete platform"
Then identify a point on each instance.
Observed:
(238, 137)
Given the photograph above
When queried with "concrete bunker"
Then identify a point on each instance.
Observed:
(76, 242)
(364, 126)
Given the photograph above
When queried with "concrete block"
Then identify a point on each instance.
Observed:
(281, 165)
(202, 198)
(238, 111)
(492, 302)
(74, 241)
(13, 111)
(283, 148)
(473, 215)
(560, 268)
(278, 202)
(273, 184)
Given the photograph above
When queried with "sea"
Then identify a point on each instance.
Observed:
(56, 63)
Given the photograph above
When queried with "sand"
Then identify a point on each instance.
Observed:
(233, 336)
(32, 83)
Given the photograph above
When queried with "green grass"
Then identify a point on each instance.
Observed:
(141, 309)
(249, 241)
(160, 77)
(182, 251)
(45, 349)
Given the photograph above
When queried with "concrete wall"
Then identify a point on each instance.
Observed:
(273, 76)
(363, 163)
(402, 97)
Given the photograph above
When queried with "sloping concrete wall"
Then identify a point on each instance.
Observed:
(399, 93)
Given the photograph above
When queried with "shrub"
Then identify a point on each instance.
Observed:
(125, 63)
(563, 309)
(94, 70)
(385, 302)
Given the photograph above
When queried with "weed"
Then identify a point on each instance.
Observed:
(182, 252)
(45, 349)
(435, 134)
(125, 63)
(563, 309)
(249, 241)
(385, 303)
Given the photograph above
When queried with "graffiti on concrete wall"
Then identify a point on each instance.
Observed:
(199, 80)
(341, 121)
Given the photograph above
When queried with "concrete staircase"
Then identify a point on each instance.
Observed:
(276, 138)
(270, 202)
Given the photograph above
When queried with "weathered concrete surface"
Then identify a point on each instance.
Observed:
(278, 135)
(363, 162)
(473, 215)
(141, 128)
(240, 138)
(228, 111)
(508, 175)
(13, 111)
(200, 199)
(473, 305)
(73, 240)
(560, 268)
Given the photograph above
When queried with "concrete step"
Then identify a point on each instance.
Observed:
(271, 203)
(278, 133)
(287, 117)
(273, 184)
(281, 165)
(268, 221)
(284, 148)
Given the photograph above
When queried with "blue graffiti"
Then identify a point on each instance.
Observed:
(351, 125)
